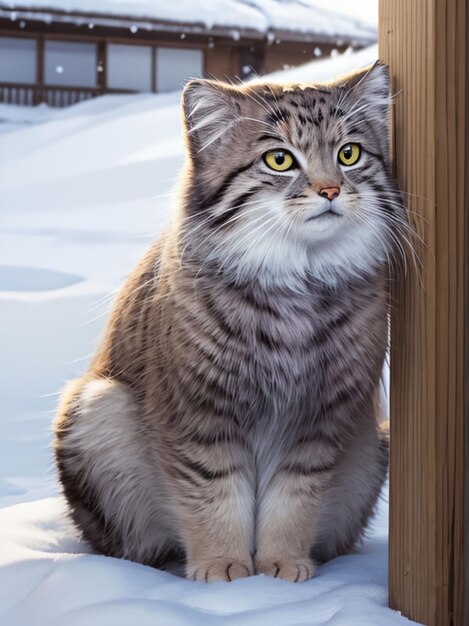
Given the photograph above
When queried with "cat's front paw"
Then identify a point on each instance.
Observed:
(294, 570)
(226, 569)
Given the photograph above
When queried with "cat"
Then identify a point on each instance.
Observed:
(229, 416)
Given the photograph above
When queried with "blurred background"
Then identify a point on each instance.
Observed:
(60, 52)
(90, 150)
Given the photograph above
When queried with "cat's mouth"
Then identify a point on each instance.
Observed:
(330, 212)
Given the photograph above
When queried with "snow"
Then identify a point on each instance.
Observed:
(260, 15)
(14, 117)
(83, 192)
(327, 68)
(33, 279)
(365, 10)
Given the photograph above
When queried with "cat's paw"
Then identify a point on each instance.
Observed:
(226, 569)
(294, 570)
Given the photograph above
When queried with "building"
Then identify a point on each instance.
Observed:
(64, 51)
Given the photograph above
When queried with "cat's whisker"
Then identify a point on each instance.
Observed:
(417, 262)
(409, 227)
(261, 219)
(415, 195)
(340, 103)
(285, 237)
(211, 216)
(355, 108)
(395, 95)
(251, 231)
(247, 226)
(143, 286)
(191, 229)
(370, 110)
(276, 110)
(393, 223)
(414, 214)
(253, 208)
(104, 300)
(254, 119)
(399, 221)
(273, 222)
(215, 137)
(391, 260)
(255, 96)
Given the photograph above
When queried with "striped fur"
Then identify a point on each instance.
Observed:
(229, 415)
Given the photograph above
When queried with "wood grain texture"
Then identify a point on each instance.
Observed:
(426, 44)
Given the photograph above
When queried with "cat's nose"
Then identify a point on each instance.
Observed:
(329, 192)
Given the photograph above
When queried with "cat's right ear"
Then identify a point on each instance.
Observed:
(210, 109)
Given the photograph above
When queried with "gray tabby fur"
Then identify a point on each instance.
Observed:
(229, 417)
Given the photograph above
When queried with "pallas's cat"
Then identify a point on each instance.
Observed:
(229, 416)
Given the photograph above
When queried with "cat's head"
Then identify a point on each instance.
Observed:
(292, 179)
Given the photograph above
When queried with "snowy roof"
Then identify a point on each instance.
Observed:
(263, 16)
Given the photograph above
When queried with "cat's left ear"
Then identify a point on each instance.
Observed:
(368, 97)
(211, 108)
(372, 85)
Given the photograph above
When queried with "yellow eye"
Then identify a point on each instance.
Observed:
(279, 160)
(349, 154)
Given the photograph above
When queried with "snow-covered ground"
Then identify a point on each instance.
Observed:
(82, 193)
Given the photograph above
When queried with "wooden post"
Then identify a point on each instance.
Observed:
(101, 66)
(39, 93)
(154, 67)
(426, 43)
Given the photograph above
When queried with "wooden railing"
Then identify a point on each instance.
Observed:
(54, 96)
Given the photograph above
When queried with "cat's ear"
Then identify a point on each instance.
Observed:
(374, 80)
(211, 109)
(372, 86)
(368, 97)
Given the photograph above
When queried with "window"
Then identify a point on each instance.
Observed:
(70, 63)
(129, 67)
(174, 66)
(17, 60)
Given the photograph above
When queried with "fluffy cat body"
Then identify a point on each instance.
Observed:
(229, 416)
